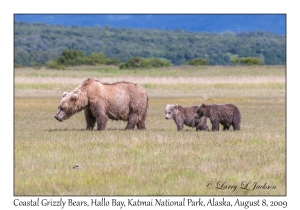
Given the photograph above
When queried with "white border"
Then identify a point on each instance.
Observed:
(150, 7)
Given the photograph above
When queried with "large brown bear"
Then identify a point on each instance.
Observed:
(226, 114)
(185, 115)
(101, 101)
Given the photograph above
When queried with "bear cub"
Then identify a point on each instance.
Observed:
(185, 116)
(226, 114)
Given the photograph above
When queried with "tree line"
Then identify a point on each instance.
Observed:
(76, 58)
(39, 43)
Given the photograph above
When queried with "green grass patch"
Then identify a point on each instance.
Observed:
(216, 86)
(179, 71)
(45, 86)
(61, 86)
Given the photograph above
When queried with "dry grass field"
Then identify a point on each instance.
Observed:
(160, 160)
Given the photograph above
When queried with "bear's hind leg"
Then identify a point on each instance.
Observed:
(236, 126)
(132, 121)
(141, 125)
(225, 127)
(236, 120)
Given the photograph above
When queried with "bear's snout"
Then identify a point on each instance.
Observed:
(56, 117)
(59, 116)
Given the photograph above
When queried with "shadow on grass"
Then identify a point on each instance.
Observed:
(74, 129)
(65, 129)
(121, 129)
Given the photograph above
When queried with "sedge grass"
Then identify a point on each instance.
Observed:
(158, 161)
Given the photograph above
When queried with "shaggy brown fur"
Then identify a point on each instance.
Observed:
(185, 115)
(100, 102)
(226, 114)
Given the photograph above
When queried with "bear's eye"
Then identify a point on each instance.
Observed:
(169, 112)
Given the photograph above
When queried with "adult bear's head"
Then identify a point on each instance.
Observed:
(70, 104)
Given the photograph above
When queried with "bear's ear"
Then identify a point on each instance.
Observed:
(74, 97)
(176, 106)
(203, 105)
(65, 93)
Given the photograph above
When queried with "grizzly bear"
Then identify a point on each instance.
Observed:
(102, 101)
(226, 114)
(185, 115)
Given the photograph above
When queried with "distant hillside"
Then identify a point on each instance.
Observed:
(275, 23)
(39, 42)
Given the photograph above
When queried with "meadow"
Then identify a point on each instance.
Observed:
(160, 160)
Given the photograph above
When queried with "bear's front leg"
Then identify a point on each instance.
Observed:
(201, 124)
(215, 126)
(101, 121)
(179, 123)
(89, 118)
